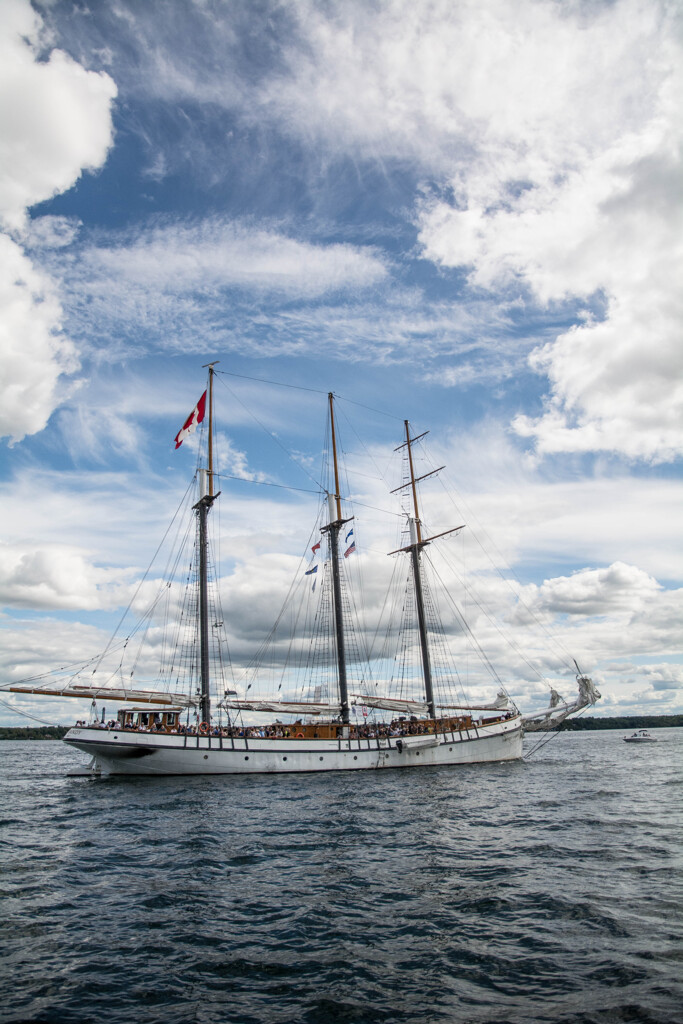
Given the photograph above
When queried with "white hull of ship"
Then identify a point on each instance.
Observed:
(132, 753)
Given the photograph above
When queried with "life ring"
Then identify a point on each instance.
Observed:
(203, 728)
(299, 735)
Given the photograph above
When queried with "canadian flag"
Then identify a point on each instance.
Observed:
(195, 417)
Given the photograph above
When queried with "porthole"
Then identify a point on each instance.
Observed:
(450, 748)
(284, 758)
(417, 753)
(355, 757)
(321, 758)
(206, 757)
(246, 758)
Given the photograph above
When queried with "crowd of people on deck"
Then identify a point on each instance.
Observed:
(379, 730)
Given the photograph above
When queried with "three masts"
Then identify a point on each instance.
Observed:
(333, 528)
(322, 736)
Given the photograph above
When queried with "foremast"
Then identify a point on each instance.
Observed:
(333, 530)
(202, 508)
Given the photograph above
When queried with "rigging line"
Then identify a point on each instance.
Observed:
(485, 659)
(262, 380)
(26, 714)
(384, 511)
(298, 612)
(267, 483)
(272, 436)
(518, 596)
(388, 594)
(488, 612)
(80, 666)
(370, 408)
(550, 735)
(146, 573)
(301, 387)
(253, 662)
(552, 638)
(219, 604)
(369, 455)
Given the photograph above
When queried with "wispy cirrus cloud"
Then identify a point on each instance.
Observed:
(541, 147)
(259, 289)
(215, 254)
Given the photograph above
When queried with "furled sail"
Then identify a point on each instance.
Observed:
(103, 693)
(409, 707)
(471, 707)
(501, 703)
(283, 707)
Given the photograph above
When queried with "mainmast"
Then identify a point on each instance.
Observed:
(415, 548)
(206, 500)
(333, 528)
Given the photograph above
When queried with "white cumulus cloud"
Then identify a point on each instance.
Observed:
(55, 121)
(33, 351)
(54, 116)
(577, 194)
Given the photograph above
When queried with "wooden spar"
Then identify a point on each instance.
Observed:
(414, 549)
(337, 495)
(428, 540)
(107, 693)
(333, 529)
(424, 476)
(413, 482)
(202, 507)
(210, 367)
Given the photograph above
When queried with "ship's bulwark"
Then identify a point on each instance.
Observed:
(125, 753)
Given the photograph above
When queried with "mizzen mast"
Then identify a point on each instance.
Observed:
(414, 548)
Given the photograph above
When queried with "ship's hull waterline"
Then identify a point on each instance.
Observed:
(125, 753)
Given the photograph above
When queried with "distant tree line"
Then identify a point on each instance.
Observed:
(628, 722)
(32, 732)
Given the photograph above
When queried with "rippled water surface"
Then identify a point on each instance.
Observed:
(544, 890)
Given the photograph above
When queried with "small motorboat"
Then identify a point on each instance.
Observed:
(641, 736)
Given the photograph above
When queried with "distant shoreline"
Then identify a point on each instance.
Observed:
(58, 732)
(32, 732)
(627, 722)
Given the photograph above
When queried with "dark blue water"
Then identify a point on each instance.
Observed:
(547, 890)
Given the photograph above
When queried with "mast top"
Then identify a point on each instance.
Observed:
(336, 495)
(419, 541)
(408, 442)
(210, 445)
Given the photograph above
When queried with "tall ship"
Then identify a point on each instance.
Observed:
(314, 701)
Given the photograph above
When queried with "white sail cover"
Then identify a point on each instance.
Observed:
(103, 693)
(284, 707)
(501, 703)
(551, 717)
(473, 707)
(409, 707)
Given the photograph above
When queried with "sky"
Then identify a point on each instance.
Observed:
(464, 214)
